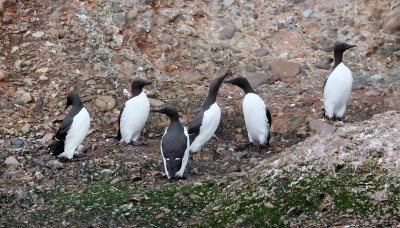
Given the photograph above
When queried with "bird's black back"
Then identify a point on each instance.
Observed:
(174, 145)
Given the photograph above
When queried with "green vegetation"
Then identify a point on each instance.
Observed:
(274, 202)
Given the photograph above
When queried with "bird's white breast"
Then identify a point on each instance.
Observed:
(255, 116)
(77, 133)
(208, 127)
(134, 117)
(337, 90)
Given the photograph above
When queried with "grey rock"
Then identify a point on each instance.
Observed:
(227, 3)
(259, 78)
(227, 31)
(324, 44)
(307, 13)
(105, 103)
(21, 195)
(240, 155)
(39, 176)
(11, 161)
(130, 16)
(215, 7)
(171, 13)
(188, 76)
(261, 52)
(54, 164)
(185, 29)
(116, 7)
(106, 173)
(24, 99)
(17, 143)
(38, 34)
(322, 127)
(119, 19)
(324, 63)
(26, 128)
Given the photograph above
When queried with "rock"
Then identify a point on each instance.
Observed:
(105, 103)
(391, 22)
(17, 175)
(47, 137)
(284, 68)
(11, 162)
(324, 44)
(127, 68)
(106, 173)
(321, 127)
(17, 143)
(21, 195)
(171, 13)
(26, 128)
(259, 78)
(7, 3)
(116, 7)
(119, 19)
(240, 155)
(156, 102)
(54, 164)
(227, 3)
(39, 176)
(38, 34)
(307, 13)
(2, 76)
(261, 52)
(227, 31)
(117, 59)
(188, 76)
(324, 63)
(130, 16)
(24, 99)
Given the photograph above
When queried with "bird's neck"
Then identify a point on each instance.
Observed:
(247, 89)
(338, 58)
(136, 92)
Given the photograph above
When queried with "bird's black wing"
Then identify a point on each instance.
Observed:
(119, 136)
(196, 124)
(64, 128)
(269, 117)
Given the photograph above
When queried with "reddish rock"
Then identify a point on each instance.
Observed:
(391, 22)
(117, 59)
(284, 69)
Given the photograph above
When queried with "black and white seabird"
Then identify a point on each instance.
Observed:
(338, 85)
(73, 129)
(174, 144)
(256, 114)
(134, 113)
(207, 120)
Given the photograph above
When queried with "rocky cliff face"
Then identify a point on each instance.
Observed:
(284, 48)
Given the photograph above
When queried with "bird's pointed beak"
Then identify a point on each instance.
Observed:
(148, 82)
(228, 81)
(155, 110)
(351, 46)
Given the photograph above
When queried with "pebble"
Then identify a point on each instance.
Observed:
(391, 22)
(130, 16)
(54, 164)
(171, 13)
(119, 19)
(261, 52)
(39, 176)
(259, 78)
(26, 128)
(106, 173)
(105, 103)
(24, 99)
(17, 143)
(307, 13)
(324, 63)
(227, 3)
(11, 161)
(227, 31)
(38, 34)
(156, 102)
(2, 75)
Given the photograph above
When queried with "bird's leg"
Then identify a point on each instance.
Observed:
(79, 157)
(215, 136)
(137, 144)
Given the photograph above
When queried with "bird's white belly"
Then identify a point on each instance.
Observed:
(76, 134)
(208, 127)
(337, 91)
(255, 116)
(134, 117)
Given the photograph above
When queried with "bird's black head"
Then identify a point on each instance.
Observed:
(138, 84)
(341, 47)
(242, 82)
(170, 111)
(73, 99)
